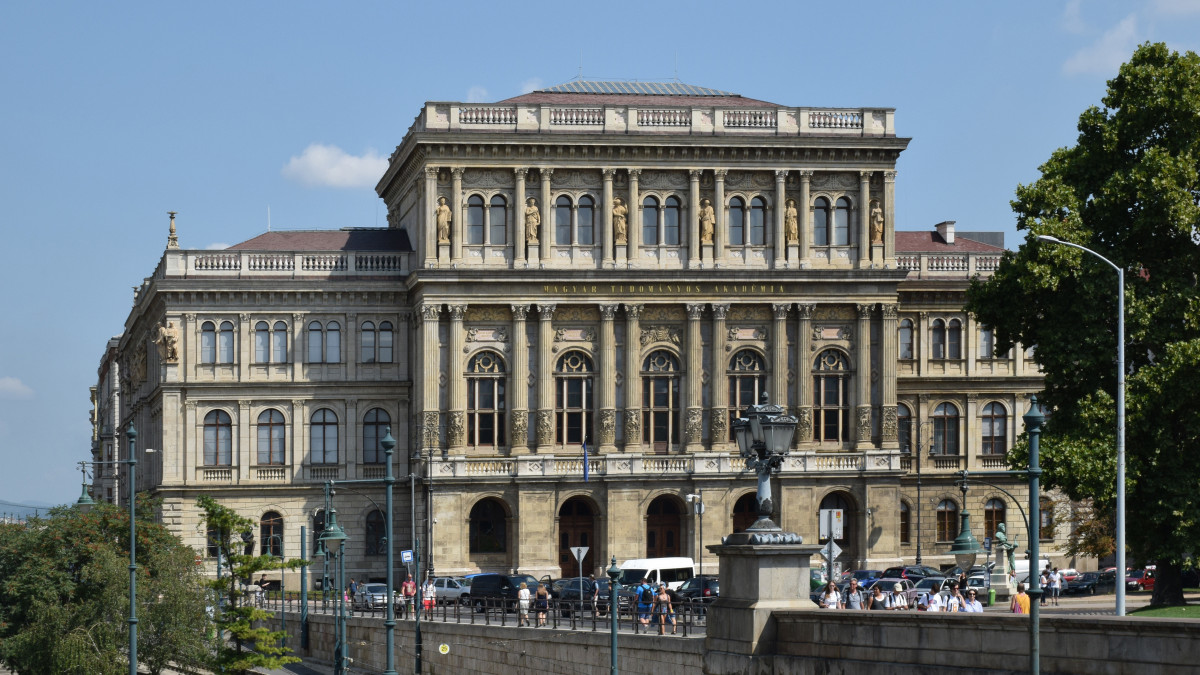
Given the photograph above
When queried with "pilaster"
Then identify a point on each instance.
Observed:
(297, 346)
(519, 231)
(693, 219)
(888, 428)
(693, 427)
(241, 456)
(606, 228)
(632, 384)
(778, 241)
(779, 354)
(608, 385)
(430, 366)
(545, 414)
(518, 386)
(457, 229)
(456, 424)
(428, 244)
(545, 230)
(633, 222)
(243, 352)
(864, 215)
(719, 414)
(805, 209)
(804, 359)
(889, 218)
(862, 377)
(719, 208)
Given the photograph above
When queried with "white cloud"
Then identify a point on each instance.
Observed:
(477, 94)
(1072, 19)
(11, 387)
(217, 246)
(1105, 56)
(1177, 7)
(330, 166)
(531, 84)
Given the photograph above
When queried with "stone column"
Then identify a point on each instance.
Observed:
(606, 215)
(864, 217)
(243, 349)
(244, 454)
(633, 379)
(693, 228)
(804, 359)
(887, 372)
(719, 415)
(456, 424)
(428, 243)
(458, 228)
(889, 217)
(719, 208)
(430, 361)
(633, 222)
(805, 208)
(608, 385)
(693, 427)
(350, 431)
(545, 378)
(545, 229)
(922, 344)
(297, 346)
(862, 345)
(350, 346)
(518, 385)
(780, 243)
(779, 354)
(519, 230)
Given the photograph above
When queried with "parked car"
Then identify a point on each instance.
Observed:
(702, 588)
(487, 589)
(925, 587)
(1068, 574)
(914, 572)
(1140, 580)
(865, 577)
(1085, 583)
(451, 590)
(371, 596)
(889, 583)
(574, 594)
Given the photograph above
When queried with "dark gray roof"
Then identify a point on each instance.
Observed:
(643, 88)
(993, 238)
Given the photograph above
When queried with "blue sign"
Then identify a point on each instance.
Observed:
(406, 556)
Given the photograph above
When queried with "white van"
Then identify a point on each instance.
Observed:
(670, 571)
(1022, 569)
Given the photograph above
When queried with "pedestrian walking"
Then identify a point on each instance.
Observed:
(663, 610)
(877, 600)
(831, 599)
(541, 603)
(1056, 582)
(524, 598)
(1044, 582)
(409, 590)
(971, 604)
(896, 599)
(954, 599)
(1020, 601)
(645, 601)
(853, 597)
(429, 594)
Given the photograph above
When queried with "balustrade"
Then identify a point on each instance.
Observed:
(577, 116)
(218, 261)
(323, 473)
(270, 473)
(217, 475)
(831, 119)
(680, 117)
(485, 115)
(751, 118)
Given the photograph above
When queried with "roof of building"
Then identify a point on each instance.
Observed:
(931, 242)
(601, 92)
(346, 239)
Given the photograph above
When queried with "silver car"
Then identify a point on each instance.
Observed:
(451, 590)
(371, 596)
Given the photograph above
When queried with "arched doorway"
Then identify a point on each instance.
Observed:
(745, 512)
(487, 534)
(576, 527)
(663, 527)
(849, 539)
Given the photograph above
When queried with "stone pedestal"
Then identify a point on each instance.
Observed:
(877, 255)
(444, 254)
(533, 254)
(756, 581)
(706, 255)
(793, 256)
(622, 255)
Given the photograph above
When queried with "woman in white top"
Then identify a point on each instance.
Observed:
(970, 604)
(831, 598)
(523, 598)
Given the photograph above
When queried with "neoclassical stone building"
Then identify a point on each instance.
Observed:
(626, 264)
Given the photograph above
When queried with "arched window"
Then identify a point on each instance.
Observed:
(562, 221)
(906, 339)
(650, 221)
(660, 400)
(841, 222)
(994, 513)
(937, 334)
(487, 532)
(262, 342)
(270, 534)
(573, 399)
(904, 428)
(318, 527)
(498, 221)
(375, 425)
(585, 217)
(737, 222)
(831, 397)
(279, 341)
(218, 439)
(947, 520)
(475, 219)
(316, 342)
(954, 339)
(1045, 518)
(987, 343)
(225, 343)
(758, 221)
(945, 429)
(745, 512)
(485, 400)
(671, 221)
(375, 344)
(376, 533)
(323, 436)
(333, 342)
(747, 381)
(270, 437)
(208, 342)
(905, 521)
(366, 342)
(821, 222)
(995, 429)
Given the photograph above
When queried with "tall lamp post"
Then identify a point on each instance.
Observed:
(613, 573)
(920, 434)
(277, 539)
(333, 540)
(697, 502)
(764, 437)
(1120, 414)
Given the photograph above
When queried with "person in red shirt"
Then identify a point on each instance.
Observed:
(409, 590)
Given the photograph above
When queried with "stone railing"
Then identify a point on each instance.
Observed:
(681, 117)
(835, 119)
(992, 461)
(487, 115)
(294, 264)
(323, 473)
(577, 116)
(270, 473)
(751, 118)
(373, 471)
(947, 265)
(217, 475)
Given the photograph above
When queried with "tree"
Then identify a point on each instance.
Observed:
(231, 532)
(1130, 190)
(64, 602)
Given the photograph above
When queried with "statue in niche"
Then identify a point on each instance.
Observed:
(791, 223)
(876, 222)
(166, 337)
(708, 221)
(443, 221)
(533, 219)
(619, 228)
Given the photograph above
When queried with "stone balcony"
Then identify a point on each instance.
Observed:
(180, 263)
(947, 265)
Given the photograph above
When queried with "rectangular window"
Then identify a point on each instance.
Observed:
(279, 345)
(315, 344)
(225, 347)
(333, 346)
(649, 226)
(385, 345)
(208, 347)
(368, 346)
(262, 346)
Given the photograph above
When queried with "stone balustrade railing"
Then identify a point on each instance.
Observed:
(680, 117)
(836, 119)
(947, 265)
(751, 118)
(294, 264)
(577, 116)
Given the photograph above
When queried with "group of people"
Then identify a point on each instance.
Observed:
(855, 597)
(406, 599)
(654, 604)
(540, 601)
(1051, 581)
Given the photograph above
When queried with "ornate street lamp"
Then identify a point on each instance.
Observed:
(965, 548)
(333, 539)
(764, 437)
(613, 573)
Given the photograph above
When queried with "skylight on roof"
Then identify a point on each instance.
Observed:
(635, 88)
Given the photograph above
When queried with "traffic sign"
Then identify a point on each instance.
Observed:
(579, 552)
(831, 550)
(406, 556)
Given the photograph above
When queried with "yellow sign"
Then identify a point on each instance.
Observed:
(444, 648)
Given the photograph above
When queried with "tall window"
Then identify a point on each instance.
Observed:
(904, 428)
(375, 424)
(841, 222)
(270, 534)
(366, 342)
(987, 343)
(218, 439)
(747, 380)
(758, 221)
(995, 429)
(671, 221)
(573, 399)
(947, 520)
(279, 340)
(316, 342)
(376, 533)
(208, 342)
(821, 222)
(905, 517)
(945, 429)
(270, 437)
(562, 221)
(831, 397)
(262, 342)
(954, 339)
(585, 217)
(375, 344)
(993, 514)
(333, 342)
(225, 343)
(485, 400)
(498, 221)
(1045, 518)
(650, 221)
(938, 339)
(475, 219)
(323, 437)
(660, 400)
(324, 343)
(906, 338)
(488, 527)
(737, 221)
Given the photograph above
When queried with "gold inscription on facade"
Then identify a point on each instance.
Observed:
(663, 289)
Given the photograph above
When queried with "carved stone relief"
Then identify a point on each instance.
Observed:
(499, 334)
(608, 426)
(694, 424)
(832, 312)
(545, 427)
(890, 423)
(661, 334)
(520, 427)
(663, 179)
(662, 313)
(456, 428)
(429, 424)
(864, 422)
(834, 181)
(575, 178)
(719, 429)
(577, 314)
(633, 428)
(749, 313)
(587, 334)
(804, 425)
(487, 178)
(739, 333)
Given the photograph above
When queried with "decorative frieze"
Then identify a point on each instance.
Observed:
(519, 422)
(694, 425)
(545, 427)
(429, 426)
(456, 428)
(608, 426)
(661, 334)
(719, 429)
(633, 426)
(890, 426)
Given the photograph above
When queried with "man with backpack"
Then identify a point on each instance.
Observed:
(645, 601)
(853, 597)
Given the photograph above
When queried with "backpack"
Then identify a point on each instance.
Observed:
(647, 595)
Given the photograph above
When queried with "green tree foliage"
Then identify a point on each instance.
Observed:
(251, 644)
(1129, 190)
(64, 594)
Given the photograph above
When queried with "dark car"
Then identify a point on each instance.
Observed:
(1085, 583)
(490, 589)
(576, 594)
(702, 588)
(914, 572)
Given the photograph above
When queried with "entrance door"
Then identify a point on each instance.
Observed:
(849, 541)
(745, 512)
(662, 528)
(576, 527)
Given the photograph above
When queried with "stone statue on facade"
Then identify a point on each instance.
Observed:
(876, 223)
(166, 337)
(620, 233)
(708, 221)
(1004, 547)
(443, 221)
(791, 222)
(533, 219)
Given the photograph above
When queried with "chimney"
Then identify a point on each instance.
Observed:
(945, 230)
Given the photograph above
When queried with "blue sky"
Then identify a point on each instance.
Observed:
(111, 114)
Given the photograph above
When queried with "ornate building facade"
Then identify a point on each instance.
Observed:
(621, 265)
